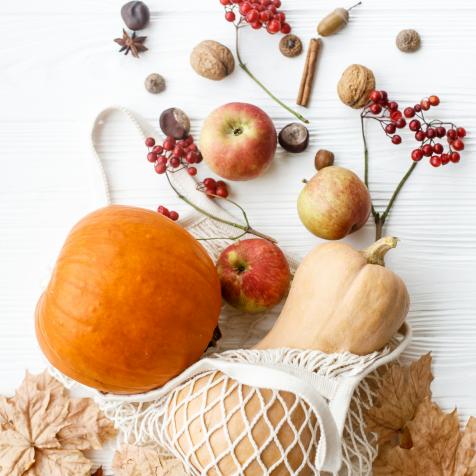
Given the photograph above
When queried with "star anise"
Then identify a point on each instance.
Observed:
(132, 43)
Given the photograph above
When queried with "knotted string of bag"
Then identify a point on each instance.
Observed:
(216, 422)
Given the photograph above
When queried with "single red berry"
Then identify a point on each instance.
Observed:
(434, 100)
(178, 152)
(209, 182)
(396, 139)
(280, 16)
(425, 104)
(417, 155)
(188, 141)
(285, 28)
(265, 16)
(230, 16)
(192, 171)
(384, 95)
(163, 210)
(158, 149)
(169, 143)
(430, 133)
(417, 108)
(256, 25)
(376, 96)
(455, 157)
(199, 158)
(272, 9)
(225, 2)
(401, 123)
(277, 3)
(461, 131)
(420, 136)
(393, 106)
(435, 161)
(414, 125)
(162, 159)
(173, 215)
(375, 108)
(390, 128)
(174, 162)
(427, 150)
(245, 7)
(409, 112)
(438, 148)
(445, 158)
(273, 26)
(458, 144)
(265, 3)
(395, 115)
(252, 16)
(191, 157)
(160, 168)
(151, 156)
(150, 142)
(452, 134)
(221, 192)
(440, 132)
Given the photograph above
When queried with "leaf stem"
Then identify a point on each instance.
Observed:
(259, 83)
(245, 228)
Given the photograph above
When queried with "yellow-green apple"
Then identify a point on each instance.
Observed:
(334, 203)
(254, 275)
(238, 141)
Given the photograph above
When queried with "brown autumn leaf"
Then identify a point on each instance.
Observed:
(439, 448)
(132, 460)
(401, 391)
(42, 430)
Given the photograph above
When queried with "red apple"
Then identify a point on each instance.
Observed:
(238, 141)
(254, 275)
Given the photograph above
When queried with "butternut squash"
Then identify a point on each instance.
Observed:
(342, 300)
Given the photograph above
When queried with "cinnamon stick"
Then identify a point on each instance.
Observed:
(307, 81)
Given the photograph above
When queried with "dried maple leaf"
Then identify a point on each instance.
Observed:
(401, 391)
(42, 431)
(439, 448)
(145, 461)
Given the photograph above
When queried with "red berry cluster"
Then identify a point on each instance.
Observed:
(427, 133)
(258, 14)
(213, 188)
(174, 155)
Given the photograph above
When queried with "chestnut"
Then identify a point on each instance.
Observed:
(174, 122)
(294, 137)
(135, 14)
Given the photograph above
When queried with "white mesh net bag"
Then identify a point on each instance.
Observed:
(241, 411)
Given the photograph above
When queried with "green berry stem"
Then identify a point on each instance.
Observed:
(246, 228)
(260, 84)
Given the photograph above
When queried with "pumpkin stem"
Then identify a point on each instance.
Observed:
(375, 253)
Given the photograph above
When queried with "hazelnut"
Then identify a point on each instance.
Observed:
(136, 15)
(174, 122)
(290, 46)
(212, 60)
(154, 83)
(355, 86)
(408, 41)
(324, 158)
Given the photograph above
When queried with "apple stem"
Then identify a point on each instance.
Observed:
(260, 84)
(380, 218)
(246, 228)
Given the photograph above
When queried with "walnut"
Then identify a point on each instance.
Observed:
(290, 46)
(408, 41)
(212, 60)
(355, 86)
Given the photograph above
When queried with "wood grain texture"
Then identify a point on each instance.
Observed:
(63, 68)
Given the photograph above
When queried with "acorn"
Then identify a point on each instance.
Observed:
(335, 21)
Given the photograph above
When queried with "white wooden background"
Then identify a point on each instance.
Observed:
(59, 67)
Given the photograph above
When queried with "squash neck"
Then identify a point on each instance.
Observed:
(376, 252)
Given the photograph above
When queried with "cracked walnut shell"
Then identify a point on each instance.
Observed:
(212, 60)
(355, 86)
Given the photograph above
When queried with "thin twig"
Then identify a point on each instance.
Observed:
(260, 84)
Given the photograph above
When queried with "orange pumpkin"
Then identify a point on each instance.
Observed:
(133, 301)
